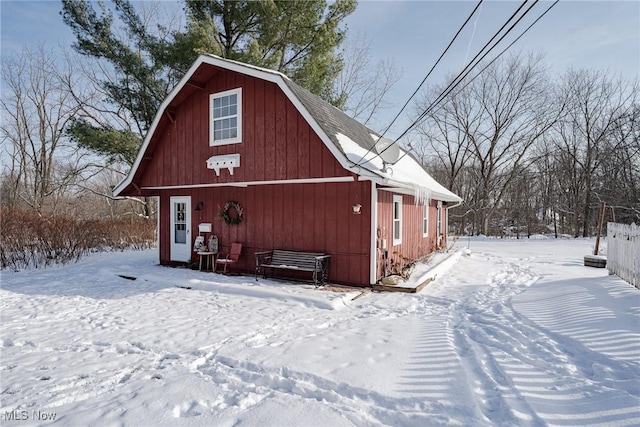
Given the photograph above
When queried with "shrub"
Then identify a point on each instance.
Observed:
(28, 240)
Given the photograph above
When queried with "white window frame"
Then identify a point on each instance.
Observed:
(425, 219)
(397, 239)
(238, 138)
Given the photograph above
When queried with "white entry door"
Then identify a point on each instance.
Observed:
(181, 228)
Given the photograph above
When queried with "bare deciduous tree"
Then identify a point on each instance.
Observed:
(494, 120)
(362, 86)
(586, 136)
(619, 176)
(446, 132)
(36, 109)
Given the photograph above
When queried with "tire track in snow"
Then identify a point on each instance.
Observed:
(433, 371)
(599, 367)
(247, 384)
(524, 372)
(476, 321)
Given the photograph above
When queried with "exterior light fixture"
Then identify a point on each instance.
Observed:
(356, 208)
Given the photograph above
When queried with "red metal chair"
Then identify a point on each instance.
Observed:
(229, 257)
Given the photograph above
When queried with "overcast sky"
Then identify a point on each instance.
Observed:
(579, 34)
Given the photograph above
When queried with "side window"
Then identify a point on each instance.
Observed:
(425, 220)
(397, 220)
(226, 117)
(439, 219)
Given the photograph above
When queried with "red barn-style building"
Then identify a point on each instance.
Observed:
(299, 167)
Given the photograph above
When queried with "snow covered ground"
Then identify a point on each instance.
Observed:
(519, 333)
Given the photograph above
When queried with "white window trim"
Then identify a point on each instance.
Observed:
(238, 138)
(397, 199)
(425, 219)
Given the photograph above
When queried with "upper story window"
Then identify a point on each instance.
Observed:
(226, 117)
(397, 220)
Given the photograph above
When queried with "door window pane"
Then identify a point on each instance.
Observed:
(180, 223)
(181, 233)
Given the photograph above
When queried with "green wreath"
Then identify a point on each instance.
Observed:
(224, 214)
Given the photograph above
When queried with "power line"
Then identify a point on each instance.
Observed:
(507, 48)
(470, 64)
(423, 80)
(467, 70)
(432, 68)
(474, 62)
(460, 79)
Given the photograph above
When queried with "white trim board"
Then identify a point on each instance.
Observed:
(373, 262)
(249, 183)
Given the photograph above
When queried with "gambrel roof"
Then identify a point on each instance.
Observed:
(350, 142)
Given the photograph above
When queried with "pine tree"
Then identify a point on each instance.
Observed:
(298, 38)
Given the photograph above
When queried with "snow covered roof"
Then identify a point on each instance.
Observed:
(405, 171)
(346, 138)
(356, 142)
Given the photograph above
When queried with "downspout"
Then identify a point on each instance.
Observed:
(158, 243)
(447, 223)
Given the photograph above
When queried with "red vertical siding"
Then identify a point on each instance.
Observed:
(293, 146)
(270, 132)
(277, 142)
(282, 138)
(286, 217)
(304, 152)
(320, 213)
(165, 230)
(257, 168)
(268, 215)
(414, 244)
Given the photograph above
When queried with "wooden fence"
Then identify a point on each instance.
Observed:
(623, 251)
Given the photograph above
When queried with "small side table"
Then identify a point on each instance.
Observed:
(210, 257)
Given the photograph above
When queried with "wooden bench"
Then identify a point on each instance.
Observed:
(311, 262)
